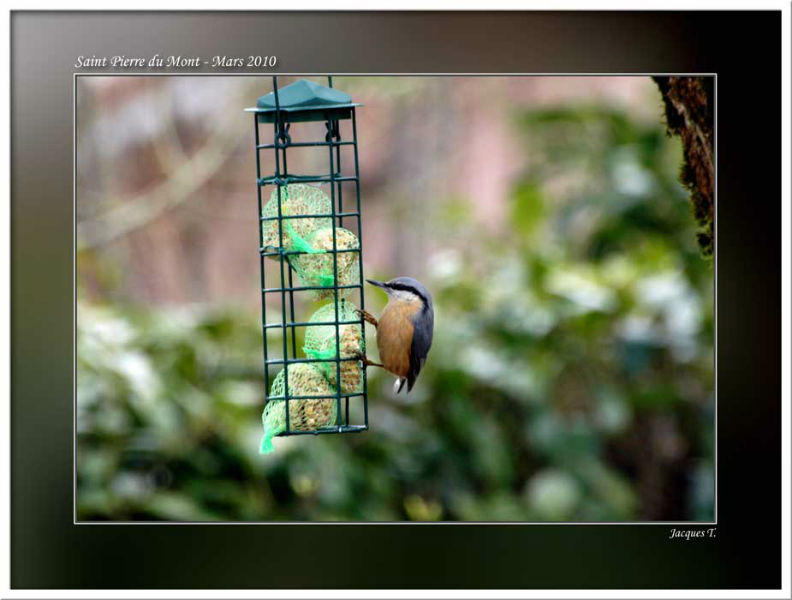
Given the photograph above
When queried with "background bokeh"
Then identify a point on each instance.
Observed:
(571, 377)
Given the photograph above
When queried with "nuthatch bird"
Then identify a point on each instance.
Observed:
(404, 331)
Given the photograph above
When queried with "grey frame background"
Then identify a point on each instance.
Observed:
(48, 551)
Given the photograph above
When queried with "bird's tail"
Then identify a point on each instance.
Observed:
(398, 384)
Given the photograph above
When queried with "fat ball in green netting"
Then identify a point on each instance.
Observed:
(320, 342)
(304, 414)
(296, 199)
(316, 269)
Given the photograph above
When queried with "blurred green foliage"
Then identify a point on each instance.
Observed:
(571, 376)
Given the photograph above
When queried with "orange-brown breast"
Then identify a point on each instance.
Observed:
(394, 336)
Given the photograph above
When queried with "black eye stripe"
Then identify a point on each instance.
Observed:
(403, 288)
(407, 288)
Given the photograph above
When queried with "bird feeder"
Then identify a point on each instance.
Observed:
(301, 229)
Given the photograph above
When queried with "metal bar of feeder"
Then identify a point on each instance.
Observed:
(314, 397)
(287, 179)
(360, 264)
(329, 125)
(342, 429)
(308, 324)
(277, 129)
(311, 287)
(304, 145)
(337, 136)
(297, 252)
(317, 216)
(261, 263)
(291, 282)
(291, 361)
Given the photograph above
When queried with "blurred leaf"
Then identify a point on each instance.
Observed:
(528, 208)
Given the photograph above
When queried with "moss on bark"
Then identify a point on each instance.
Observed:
(689, 106)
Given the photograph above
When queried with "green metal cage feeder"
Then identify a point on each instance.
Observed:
(301, 228)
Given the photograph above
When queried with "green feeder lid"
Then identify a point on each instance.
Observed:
(305, 100)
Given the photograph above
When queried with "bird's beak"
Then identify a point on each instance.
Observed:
(377, 283)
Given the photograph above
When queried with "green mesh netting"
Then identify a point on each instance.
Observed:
(320, 342)
(304, 415)
(316, 269)
(296, 199)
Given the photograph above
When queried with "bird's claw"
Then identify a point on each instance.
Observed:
(367, 317)
(366, 362)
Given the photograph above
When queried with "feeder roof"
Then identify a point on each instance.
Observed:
(305, 100)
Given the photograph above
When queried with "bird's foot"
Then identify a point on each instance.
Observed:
(367, 317)
(366, 362)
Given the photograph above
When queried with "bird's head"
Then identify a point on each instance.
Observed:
(405, 289)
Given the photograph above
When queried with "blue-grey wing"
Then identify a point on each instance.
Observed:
(423, 330)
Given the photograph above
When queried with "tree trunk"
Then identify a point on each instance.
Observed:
(689, 110)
